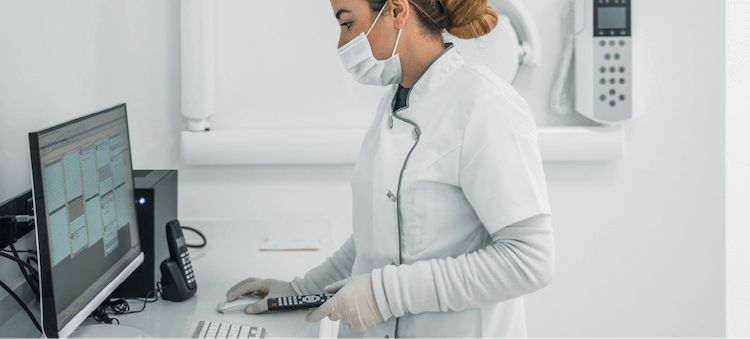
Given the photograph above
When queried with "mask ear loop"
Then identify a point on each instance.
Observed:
(376, 19)
(397, 39)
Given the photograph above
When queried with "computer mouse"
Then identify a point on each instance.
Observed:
(240, 304)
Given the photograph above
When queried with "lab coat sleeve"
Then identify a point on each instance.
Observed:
(520, 261)
(500, 166)
(336, 267)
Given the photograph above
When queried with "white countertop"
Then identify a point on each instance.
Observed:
(231, 255)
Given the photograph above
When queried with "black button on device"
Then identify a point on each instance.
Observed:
(622, 42)
(622, 97)
(622, 69)
(602, 97)
(602, 43)
(612, 69)
(603, 69)
(603, 81)
(607, 56)
(612, 42)
(612, 92)
(622, 81)
(612, 81)
(612, 103)
(617, 56)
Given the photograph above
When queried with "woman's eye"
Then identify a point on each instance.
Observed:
(347, 24)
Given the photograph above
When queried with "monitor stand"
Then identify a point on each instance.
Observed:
(108, 331)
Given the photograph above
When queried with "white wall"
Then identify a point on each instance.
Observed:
(61, 60)
(639, 242)
(737, 167)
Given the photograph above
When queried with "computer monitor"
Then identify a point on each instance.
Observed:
(86, 226)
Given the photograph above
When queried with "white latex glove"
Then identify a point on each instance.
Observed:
(354, 303)
(264, 288)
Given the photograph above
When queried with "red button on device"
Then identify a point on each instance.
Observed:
(274, 305)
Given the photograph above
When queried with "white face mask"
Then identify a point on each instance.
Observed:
(361, 63)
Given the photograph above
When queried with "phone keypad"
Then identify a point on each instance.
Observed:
(185, 256)
(612, 78)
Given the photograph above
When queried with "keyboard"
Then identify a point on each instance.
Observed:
(208, 329)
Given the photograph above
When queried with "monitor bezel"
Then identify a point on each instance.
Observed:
(47, 300)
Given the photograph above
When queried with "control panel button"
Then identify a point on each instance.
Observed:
(603, 81)
(602, 97)
(612, 69)
(622, 81)
(612, 81)
(622, 69)
(622, 97)
(612, 43)
(602, 69)
(622, 43)
(612, 92)
(612, 103)
(607, 56)
(602, 43)
(617, 56)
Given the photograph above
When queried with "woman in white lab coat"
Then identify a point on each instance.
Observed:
(451, 216)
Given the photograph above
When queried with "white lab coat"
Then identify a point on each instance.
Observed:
(471, 168)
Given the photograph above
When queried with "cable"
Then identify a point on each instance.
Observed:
(34, 277)
(118, 306)
(199, 233)
(23, 305)
(29, 280)
(19, 261)
(20, 251)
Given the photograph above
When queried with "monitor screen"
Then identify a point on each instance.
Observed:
(87, 228)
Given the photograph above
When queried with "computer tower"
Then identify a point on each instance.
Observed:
(156, 204)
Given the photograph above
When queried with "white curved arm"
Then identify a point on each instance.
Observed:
(528, 31)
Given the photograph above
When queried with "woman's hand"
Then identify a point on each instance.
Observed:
(354, 303)
(264, 288)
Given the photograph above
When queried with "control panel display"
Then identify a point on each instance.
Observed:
(612, 17)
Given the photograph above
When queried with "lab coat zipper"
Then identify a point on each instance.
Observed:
(416, 134)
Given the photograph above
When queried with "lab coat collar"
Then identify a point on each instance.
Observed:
(436, 71)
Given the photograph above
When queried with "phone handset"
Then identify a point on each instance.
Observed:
(177, 277)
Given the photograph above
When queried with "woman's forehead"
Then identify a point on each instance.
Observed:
(341, 7)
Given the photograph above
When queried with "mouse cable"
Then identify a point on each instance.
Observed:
(23, 305)
(197, 232)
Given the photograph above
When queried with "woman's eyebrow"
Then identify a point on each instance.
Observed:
(342, 11)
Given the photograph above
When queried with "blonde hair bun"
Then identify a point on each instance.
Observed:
(470, 19)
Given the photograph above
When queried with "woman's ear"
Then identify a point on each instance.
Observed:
(400, 11)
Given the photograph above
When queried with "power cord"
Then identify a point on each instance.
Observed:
(199, 234)
(23, 305)
(31, 279)
(119, 306)
(24, 265)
